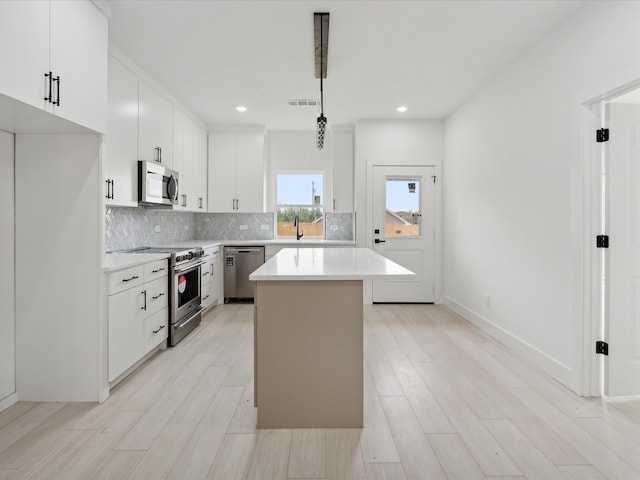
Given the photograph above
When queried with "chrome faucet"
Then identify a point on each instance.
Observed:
(296, 223)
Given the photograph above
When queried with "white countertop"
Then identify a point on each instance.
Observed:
(118, 261)
(328, 264)
(275, 241)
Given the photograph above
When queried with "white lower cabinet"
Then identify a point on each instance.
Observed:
(138, 314)
(211, 285)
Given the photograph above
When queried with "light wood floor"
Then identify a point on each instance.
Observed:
(442, 400)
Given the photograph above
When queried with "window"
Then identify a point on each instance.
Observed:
(301, 195)
(402, 207)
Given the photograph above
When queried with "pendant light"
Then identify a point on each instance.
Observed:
(321, 30)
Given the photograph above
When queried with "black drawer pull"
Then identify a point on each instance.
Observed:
(157, 296)
(159, 328)
(129, 279)
(158, 270)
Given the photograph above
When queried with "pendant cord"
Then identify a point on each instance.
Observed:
(321, 64)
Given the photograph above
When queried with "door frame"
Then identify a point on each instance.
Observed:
(437, 227)
(589, 219)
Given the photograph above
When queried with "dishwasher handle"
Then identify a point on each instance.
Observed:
(244, 250)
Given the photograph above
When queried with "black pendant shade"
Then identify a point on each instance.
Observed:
(321, 35)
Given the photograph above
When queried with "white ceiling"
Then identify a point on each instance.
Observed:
(428, 55)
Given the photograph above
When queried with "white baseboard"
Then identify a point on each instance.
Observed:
(550, 366)
(6, 402)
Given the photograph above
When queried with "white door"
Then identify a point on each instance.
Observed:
(622, 366)
(403, 223)
(7, 287)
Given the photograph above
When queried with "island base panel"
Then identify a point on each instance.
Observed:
(309, 354)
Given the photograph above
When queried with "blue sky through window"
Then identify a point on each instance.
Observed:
(399, 199)
(297, 189)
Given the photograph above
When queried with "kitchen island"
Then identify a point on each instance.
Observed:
(308, 335)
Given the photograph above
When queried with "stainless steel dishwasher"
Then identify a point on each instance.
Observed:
(239, 263)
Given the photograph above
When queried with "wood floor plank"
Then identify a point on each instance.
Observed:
(198, 455)
(376, 440)
(384, 471)
(527, 457)
(245, 417)
(581, 472)
(79, 462)
(271, 455)
(491, 457)
(234, 457)
(116, 465)
(22, 425)
(626, 446)
(456, 460)
(144, 433)
(159, 459)
(15, 411)
(597, 453)
(307, 454)
(418, 459)
(343, 454)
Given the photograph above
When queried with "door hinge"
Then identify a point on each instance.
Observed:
(602, 241)
(602, 347)
(602, 135)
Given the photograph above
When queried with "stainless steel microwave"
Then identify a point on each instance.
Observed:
(157, 185)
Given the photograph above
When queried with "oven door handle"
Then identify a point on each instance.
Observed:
(186, 268)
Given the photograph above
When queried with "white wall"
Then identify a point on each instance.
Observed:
(58, 268)
(394, 142)
(512, 187)
(7, 257)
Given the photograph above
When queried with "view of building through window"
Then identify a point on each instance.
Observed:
(300, 195)
(402, 207)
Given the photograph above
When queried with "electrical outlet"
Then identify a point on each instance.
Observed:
(244, 227)
(333, 228)
(156, 228)
(487, 300)
(264, 227)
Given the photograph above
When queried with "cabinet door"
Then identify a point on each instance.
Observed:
(155, 329)
(216, 279)
(122, 140)
(250, 172)
(155, 126)
(24, 56)
(126, 330)
(79, 56)
(180, 162)
(222, 172)
(199, 176)
(342, 172)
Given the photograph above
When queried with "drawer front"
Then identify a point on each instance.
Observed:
(205, 274)
(157, 295)
(156, 329)
(125, 279)
(157, 269)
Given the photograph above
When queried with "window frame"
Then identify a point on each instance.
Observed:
(277, 206)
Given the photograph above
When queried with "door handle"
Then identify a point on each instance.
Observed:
(377, 240)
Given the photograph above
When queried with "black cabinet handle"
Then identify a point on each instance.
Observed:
(145, 300)
(49, 98)
(108, 196)
(160, 148)
(158, 159)
(57, 80)
(129, 279)
(157, 296)
(159, 328)
(158, 270)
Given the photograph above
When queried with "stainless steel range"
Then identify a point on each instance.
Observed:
(184, 290)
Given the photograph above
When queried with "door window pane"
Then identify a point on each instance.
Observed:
(402, 215)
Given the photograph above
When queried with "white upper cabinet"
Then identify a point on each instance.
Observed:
(24, 34)
(55, 58)
(342, 171)
(190, 160)
(121, 149)
(155, 126)
(236, 172)
(79, 57)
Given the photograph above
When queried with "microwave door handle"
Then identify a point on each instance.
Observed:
(172, 188)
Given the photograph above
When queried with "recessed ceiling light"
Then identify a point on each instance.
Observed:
(401, 109)
(240, 108)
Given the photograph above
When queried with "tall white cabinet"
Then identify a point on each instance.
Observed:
(342, 171)
(7, 306)
(190, 160)
(236, 172)
(60, 37)
(155, 126)
(61, 329)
